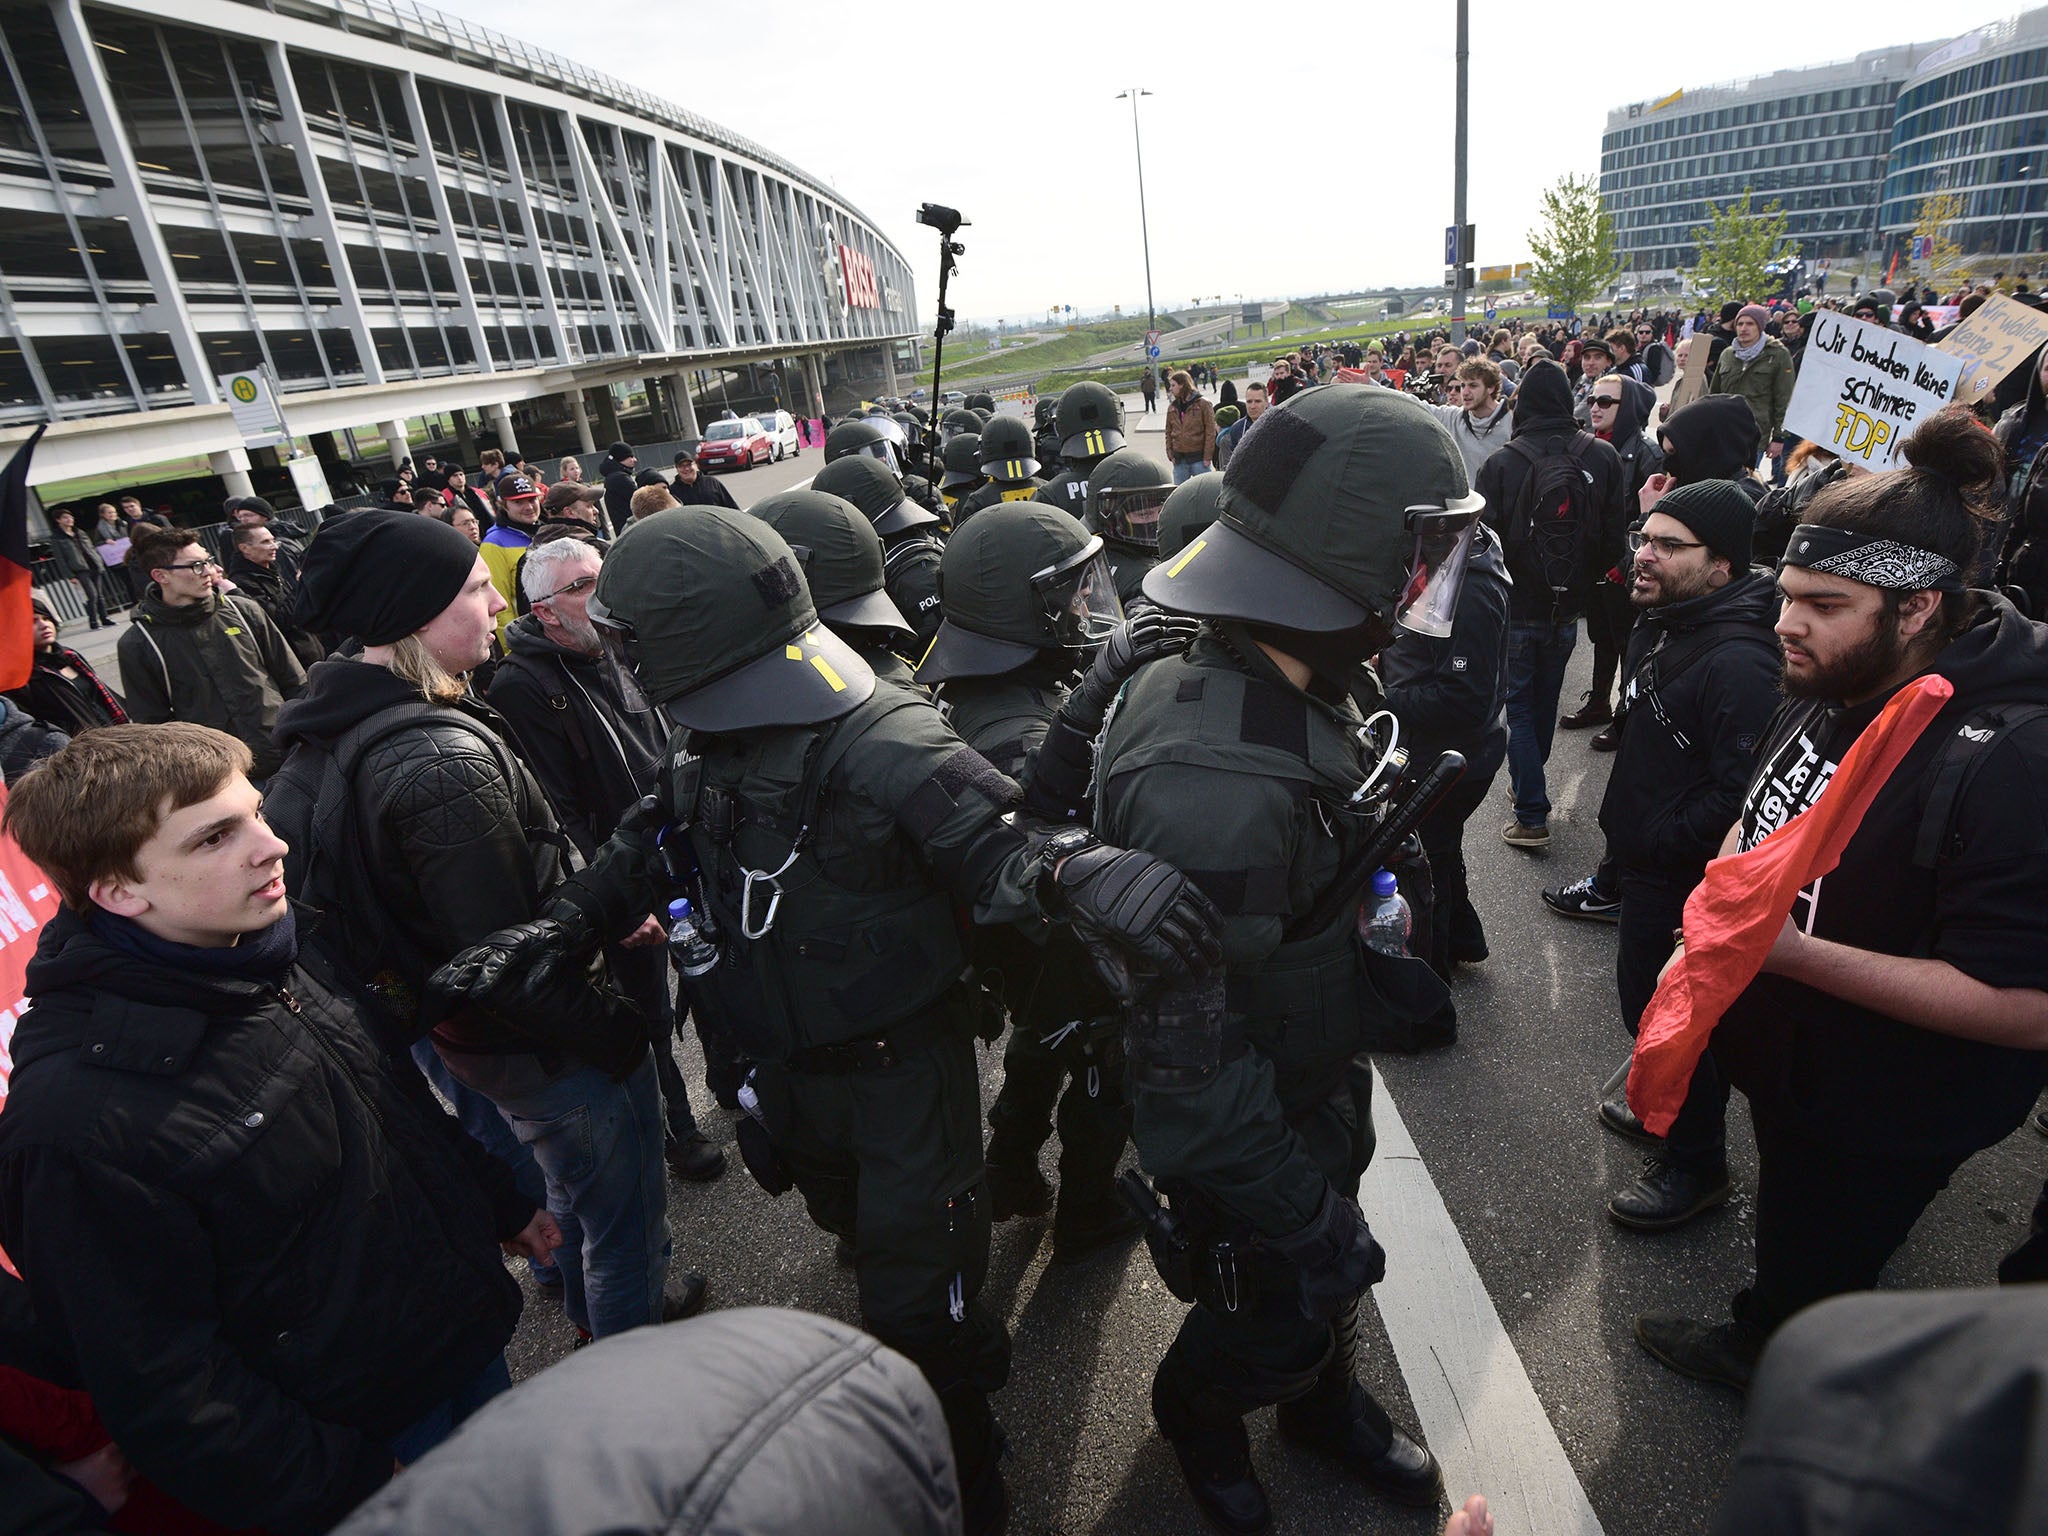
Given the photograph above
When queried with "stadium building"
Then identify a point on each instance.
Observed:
(406, 225)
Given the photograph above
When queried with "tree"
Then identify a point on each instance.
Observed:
(1574, 248)
(1736, 246)
(1936, 219)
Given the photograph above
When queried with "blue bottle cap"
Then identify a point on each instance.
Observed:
(679, 909)
(1384, 883)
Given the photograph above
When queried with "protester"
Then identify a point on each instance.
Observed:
(1190, 428)
(204, 656)
(1758, 369)
(1229, 437)
(79, 558)
(63, 691)
(1619, 409)
(464, 521)
(1481, 423)
(650, 499)
(504, 546)
(617, 474)
(1148, 388)
(259, 570)
(693, 488)
(269, 1257)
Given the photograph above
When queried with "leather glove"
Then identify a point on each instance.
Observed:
(1126, 906)
(1145, 637)
(1334, 1257)
(521, 970)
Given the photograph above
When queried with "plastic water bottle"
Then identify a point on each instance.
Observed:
(1384, 921)
(694, 954)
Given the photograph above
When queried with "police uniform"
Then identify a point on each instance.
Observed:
(1124, 495)
(1089, 421)
(1252, 1096)
(911, 547)
(829, 823)
(1008, 458)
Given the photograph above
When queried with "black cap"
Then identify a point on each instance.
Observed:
(620, 451)
(380, 576)
(1718, 514)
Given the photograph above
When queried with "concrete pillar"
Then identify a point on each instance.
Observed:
(465, 441)
(585, 443)
(814, 388)
(686, 408)
(394, 441)
(608, 416)
(232, 465)
(501, 419)
(889, 370)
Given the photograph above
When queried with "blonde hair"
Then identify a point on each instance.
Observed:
(412, 661)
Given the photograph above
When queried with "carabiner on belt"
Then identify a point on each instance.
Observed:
(774, 881)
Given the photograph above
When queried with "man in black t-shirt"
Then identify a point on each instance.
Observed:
(1900, 1024)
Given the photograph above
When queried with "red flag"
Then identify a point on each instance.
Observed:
(17, 626)
(1891, 271)
(1735, 914)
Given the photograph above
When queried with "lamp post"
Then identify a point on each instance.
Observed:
(1144, 226)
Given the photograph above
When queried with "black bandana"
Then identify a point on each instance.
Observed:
(1871, 559)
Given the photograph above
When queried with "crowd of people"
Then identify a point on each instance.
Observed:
(403, 845)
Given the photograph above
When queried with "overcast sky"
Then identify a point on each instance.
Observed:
(1289, 150)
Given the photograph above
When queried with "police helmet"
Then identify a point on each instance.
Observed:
(1188, 511)
(958, 420)
(1019, 578)
(1043, 411)
(1348, 508)
(707, 609)
(981, 400)
(859, 435)
(840, 554)
(1125, 492)
(963, 464)
(981, 414)
(1089, 421)
(872, 487)
(1007, 451)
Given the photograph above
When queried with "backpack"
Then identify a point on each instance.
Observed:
(311, 803)
(1961, 756)
(1658, 365)
(1549, 529)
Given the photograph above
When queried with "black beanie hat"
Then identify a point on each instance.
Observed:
(378, 576)
(1718, 514)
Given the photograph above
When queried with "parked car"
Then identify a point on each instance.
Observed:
(783, 436)
(737, 444)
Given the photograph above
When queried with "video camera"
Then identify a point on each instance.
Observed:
(946, 221)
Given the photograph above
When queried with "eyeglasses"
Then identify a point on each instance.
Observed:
(1609, 401)
(207, 564)
(1667, 549)
(580, 584)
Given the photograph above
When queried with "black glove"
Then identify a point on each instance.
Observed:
(1334, 1257)
(1146, 637)
(1127, 906)
(521, 970)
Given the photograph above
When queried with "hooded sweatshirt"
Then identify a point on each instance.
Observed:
(1477, 439)
(1850, 1076)
(1640, 457)
(1714, 438)
(1543, 422)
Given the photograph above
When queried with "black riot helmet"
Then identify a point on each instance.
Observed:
(956, 421)
(872, 486)
(1347, 514)
(1090, 422)
(1188, 512)
(1044, 411)
(1125, 492)
(963, 465)
(1019, 578)
(840, 555)
(708, 611)
(861, 435)
(981, 401)
(1007, 451)
(913, 429)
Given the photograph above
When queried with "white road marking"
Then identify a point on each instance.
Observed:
(1479, 1413)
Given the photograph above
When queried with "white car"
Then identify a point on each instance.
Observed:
(783, 436)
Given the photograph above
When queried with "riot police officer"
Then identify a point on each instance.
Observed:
(980, 400)
(963, 476)
(1090, 423)
(1245, 759)
(1188, 512)
(956, 421)
(842, 561)
(1001, 669)
(829, 822)
(910, 537)
(1125, 492)
(1008, 458)
(880, 438)
(1045, 435)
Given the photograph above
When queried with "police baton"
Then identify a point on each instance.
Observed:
(1402, 818)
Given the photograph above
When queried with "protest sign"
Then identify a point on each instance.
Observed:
(1863, 390)
(1692, 379)
(1992, 342)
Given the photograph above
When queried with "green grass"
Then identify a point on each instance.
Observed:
(1066, 349)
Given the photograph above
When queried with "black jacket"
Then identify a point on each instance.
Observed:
(24, 741)
(454, 848)
(1699, 684)
(266, 1248)
(708, 491)
(272, 586)
(218, 662)
(1543, 419)
(70, 706)
(593, 756)
(1451, 694)
(619, 486)
(1714, 438)
(755, 1420)
(1640, 458)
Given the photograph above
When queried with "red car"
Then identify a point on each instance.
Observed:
(735, 445)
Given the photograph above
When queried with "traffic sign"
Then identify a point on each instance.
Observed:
(1560, 312)
(1152, 339)
(1151, 351)
(1450, 245)
(255, 409)
(1491, 314)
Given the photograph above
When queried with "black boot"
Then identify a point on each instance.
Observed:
(1214, 1452)
(1669, 1195)
(1015, 1185)
(978, 1447)
(1085, 1227)
(1339, 1419)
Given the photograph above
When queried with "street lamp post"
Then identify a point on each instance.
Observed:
(1144, 226)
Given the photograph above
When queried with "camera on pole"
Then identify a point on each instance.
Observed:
(947, 222)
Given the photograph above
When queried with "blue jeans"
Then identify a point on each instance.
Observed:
(1187, 469)
(420, 1437)
(1537, 654)
(487, 1128)
(598, 1144)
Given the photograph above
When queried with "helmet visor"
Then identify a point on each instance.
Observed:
(1130, 514)
(1079, 597)
(1436, 573)
(616, 636)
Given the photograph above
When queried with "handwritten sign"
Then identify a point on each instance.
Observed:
(1863, 390)
(1991, 343)
(1692, 380)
